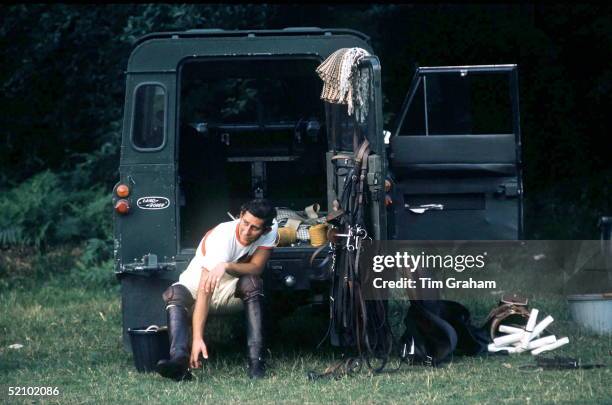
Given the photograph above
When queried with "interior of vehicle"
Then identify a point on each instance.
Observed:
(236, 141)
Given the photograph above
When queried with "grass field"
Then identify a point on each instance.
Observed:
(71, 339)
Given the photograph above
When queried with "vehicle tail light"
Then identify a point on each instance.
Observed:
(122, 207)
(123, 190)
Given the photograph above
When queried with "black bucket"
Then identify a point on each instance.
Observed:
(149, 345)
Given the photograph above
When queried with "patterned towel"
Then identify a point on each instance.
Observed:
(343, 83)
(302, 233)
(284, 214)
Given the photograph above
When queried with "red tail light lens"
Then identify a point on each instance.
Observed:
(122, 207)
(123, 190)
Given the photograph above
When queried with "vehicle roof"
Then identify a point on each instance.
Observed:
(163, 51)
(218, 32)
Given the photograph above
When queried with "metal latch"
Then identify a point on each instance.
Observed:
(419, 209)
(509, 189)
(148, 264)
(373, 179)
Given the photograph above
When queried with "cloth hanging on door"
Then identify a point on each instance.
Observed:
(344, 83)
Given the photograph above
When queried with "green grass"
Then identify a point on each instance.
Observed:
(72, 340)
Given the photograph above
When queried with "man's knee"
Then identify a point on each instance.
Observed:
(178, 295)
(249, 286)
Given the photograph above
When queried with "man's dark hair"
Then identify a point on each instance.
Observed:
(261, 208)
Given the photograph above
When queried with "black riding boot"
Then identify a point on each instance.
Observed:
(254, 311)
(250, 289)
(178, 328)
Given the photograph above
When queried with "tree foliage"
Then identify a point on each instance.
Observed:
(63, 82)
(42, 211)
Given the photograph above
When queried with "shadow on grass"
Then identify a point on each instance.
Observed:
(299, 333)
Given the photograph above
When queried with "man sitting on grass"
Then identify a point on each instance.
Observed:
(225, 270)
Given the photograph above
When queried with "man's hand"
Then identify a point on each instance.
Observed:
(197, 347)
(214, 277)
(388, 185)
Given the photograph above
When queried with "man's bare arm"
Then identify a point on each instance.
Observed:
(254, 266)
(200, 314)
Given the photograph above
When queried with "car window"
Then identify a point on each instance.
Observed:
(149, 116)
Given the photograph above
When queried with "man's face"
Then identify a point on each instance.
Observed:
(250, 228)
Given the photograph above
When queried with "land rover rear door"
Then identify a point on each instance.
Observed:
(147, 168)
(455, 156)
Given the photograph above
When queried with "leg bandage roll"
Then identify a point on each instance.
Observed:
(506, 340)
(546, 340)
(510, 329)
(509, 349)
(286, 236)
(318, 234)
(552, 346)
(539, 328)
(531, 322)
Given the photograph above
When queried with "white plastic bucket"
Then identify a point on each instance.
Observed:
(592, 311)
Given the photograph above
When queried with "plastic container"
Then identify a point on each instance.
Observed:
(592, 311)
(149, 345)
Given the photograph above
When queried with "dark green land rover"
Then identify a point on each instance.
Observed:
(214, 118)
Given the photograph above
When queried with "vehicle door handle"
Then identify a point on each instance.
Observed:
(419, 209)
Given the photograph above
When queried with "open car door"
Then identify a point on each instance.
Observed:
(455, 154)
